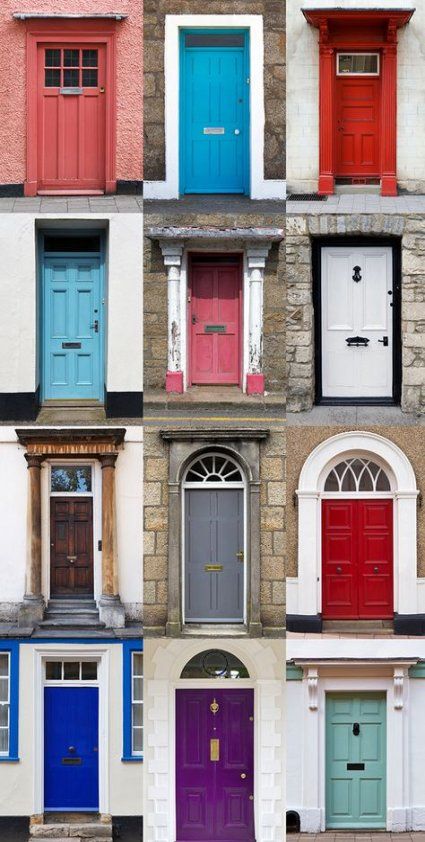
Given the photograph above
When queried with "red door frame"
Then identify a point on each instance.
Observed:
(343, 30)
(94, 31)
(192, 258)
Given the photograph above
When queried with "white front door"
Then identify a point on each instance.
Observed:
(357, 321)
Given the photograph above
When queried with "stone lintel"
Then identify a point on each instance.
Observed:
(214, 435)
(214, 235)
(69, 16)
(71, 442)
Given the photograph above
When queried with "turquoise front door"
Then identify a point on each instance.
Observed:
(72, 327)
(356, 760)
(214, 112)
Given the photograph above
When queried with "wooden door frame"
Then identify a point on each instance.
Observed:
(44, 31)
(68, 497)
(357, 242)
(336, 35)
(192, 256)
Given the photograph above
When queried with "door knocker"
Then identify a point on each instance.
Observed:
(214, 707)
(357, 276)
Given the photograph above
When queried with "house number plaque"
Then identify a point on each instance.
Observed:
(214, 130)
(214, 750)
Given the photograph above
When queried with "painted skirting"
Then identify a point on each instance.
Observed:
(10, 191)
(129, 188)
(19, 406)
(124, 404)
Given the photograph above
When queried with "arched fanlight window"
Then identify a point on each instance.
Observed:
(358, 475)
(214, 467)
(215, 664)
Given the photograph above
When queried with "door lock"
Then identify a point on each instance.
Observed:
(240, 555)
(102, 90)
(384, 341)
(194, 320)
(95, 326)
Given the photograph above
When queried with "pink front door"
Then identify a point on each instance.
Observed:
(215, 322)
(71, 123)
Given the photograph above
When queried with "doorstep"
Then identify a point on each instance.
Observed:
(76, 826)
(71, 414)
(376, 628)
(215, 398)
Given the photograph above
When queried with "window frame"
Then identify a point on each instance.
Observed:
(130, 647)
(12, 650)
(359, 53)
(71, 463)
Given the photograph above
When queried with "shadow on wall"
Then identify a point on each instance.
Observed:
(126, 829)
(293, 822)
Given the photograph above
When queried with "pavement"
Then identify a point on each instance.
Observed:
(364, 836)
(354, 415)
(214, 204)
(359, 203)
(73, 204)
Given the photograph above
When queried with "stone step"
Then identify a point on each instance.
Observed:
(79, 622)
(72, 612)
(96, 831)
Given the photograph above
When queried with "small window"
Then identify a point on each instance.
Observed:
(217, 40)
(4, 703)
(71, 479)
(214, 468)
(357, 475)
(70, 68)
(215, 664)
(57, 243)
(71, 671)
(137, 703)
(358, 64)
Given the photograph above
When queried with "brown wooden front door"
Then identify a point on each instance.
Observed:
(71, 546)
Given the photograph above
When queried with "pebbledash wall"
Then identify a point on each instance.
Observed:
(300, 232)
(303, 95)
(395, 669)
(267, 106)
(218, 228)
(19, 306)
(161, 539)
(129, 104)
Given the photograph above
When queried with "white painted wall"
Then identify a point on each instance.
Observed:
(18, 298)
(13, 508)
(20, 783)
(303, 93)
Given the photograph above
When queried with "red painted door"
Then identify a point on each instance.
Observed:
(357, 142)
(214, 316)
(357, 559)
(71, 118)
(71, 546)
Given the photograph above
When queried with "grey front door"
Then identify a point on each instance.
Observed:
(214, 561)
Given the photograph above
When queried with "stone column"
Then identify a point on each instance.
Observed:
(111, 610)
(256, 259)
(172, 254)
(31, 610)
(389, 121)
(174, 618)
(326, 120)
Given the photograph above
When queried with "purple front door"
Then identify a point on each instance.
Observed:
(215, 765)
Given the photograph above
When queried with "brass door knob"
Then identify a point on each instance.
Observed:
(240, 555)
(251, 797)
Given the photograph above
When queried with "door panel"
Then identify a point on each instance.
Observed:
(214, 537)
(215, 303)
(71, 717)
(357, 145)
(71, 546)
(355, 797)
(72, 327)
(357, 559)
(71, 117)
(213, 796)
(357, 304)
(214, 117)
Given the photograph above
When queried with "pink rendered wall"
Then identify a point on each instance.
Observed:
(129, 41)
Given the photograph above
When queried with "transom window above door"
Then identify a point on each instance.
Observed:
(71, 479)
(357, 474)
(358, 64)
(215, 663)
(214, 467)
(71, 68)
(71, 671)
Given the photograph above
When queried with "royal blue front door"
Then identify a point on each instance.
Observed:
(72, 328)
(71, 748)
(214, 116)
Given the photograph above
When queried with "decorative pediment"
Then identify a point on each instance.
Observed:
(71, 442)
(380, 24)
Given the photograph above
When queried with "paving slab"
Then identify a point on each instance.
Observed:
(353, 203)
(355, 415)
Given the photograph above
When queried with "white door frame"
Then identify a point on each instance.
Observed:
(44, 652)
(261, 188)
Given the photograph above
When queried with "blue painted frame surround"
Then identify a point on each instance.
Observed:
(12, 648)
(247, 122)
(128, 647)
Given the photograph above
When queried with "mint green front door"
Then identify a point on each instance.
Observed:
(355, 760)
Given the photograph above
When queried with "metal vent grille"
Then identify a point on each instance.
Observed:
(306, 197)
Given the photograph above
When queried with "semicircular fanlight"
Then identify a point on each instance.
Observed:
(358, 475)
(215, 663)
(214, 467)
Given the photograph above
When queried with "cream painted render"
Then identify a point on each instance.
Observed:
(164, 662)
(260, 187)
(303, 94)
(374, 665)
(21, 784)
(19, 295)
(13, 513)
(304, 593)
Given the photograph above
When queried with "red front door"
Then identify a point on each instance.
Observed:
(357, 559)
(214, 322)
(357, 142)
(71, 123)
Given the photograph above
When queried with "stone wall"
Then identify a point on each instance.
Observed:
(155, 295)
(274, 78)
(272, 520)
(300, 318)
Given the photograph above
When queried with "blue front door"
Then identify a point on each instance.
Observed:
(214, 117)
(72, 328)
(71, 758)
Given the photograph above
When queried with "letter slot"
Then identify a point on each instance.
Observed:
(355, 767)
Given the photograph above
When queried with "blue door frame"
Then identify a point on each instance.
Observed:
(71, 749)
(71, 344)
(216, 162)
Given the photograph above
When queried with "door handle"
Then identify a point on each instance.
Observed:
(240, 555)
(243, 776)
(71, 748)
(384, 341)
(339, 569)
(237, 131)
(376, 569)
(102, 90)
(95, 326)
(71, 558)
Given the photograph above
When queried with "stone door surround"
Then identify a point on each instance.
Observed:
(255, 243)
(244, 447)
(103, 445)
